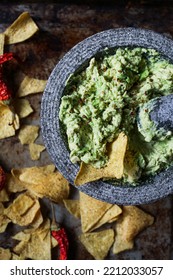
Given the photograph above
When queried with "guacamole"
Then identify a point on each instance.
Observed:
(102, 100)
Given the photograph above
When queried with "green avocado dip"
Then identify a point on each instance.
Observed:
(102, 100)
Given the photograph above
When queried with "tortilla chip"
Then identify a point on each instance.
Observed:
(37, 252)
(98, 243)
(111, 215)
(21, 29)
(2, 40)
(20, 247)
(43, 183)
(37, 171)
(136, 221)
(47, 169)
(9, 121)
(114, 168)
(4, 221)
(35, 150)
(1, 208)
(21, 204)
(5, 254)
(22, 108)
(55, 187)
(121, 245)
(29, 85)
(23, 209)
(73, 206)
(29, 217)
(13, 185)
(131, 168)
(38, 219)
(132, 221)
(28, 134)
(43, 229)
(22, 236)
(4, 195)
(91, 210)
(54, 242)
(17, 257)
(37, 247)
(87, 173)
(3, 225)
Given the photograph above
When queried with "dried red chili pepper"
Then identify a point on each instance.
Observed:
(60, 235)
(6, 57)
(5, 92)
(2, 178)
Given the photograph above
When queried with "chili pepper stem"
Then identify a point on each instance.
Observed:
(54, 225)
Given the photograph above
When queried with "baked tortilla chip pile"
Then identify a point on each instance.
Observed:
(126, 223)
(28, 185)
(21, 29)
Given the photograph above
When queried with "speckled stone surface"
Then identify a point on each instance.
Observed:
(162, 112)
(158, 186)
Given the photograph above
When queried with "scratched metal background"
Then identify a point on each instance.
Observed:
(62, 25)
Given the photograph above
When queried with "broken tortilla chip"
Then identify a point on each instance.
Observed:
(91, 210)
(42, 230)
(22, 236)
(35, 171)
(43, 183)
(38, 247)
(73, 206)
(2, 40)
(132, 221)
(47, 169)
(13, 185)
(114, 169)
(29, 85)
(21, 29)
(28, 134)
(4, 195)
(4, 221)
(23, 209)
(22, 108)
(5, 254)
(98, 243)
(38, 219)
(17, 257)
(35, 150)
(9, 121)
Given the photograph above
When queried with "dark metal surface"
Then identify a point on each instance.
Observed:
(61, 27)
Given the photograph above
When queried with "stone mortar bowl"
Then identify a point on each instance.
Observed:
(150, 190)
